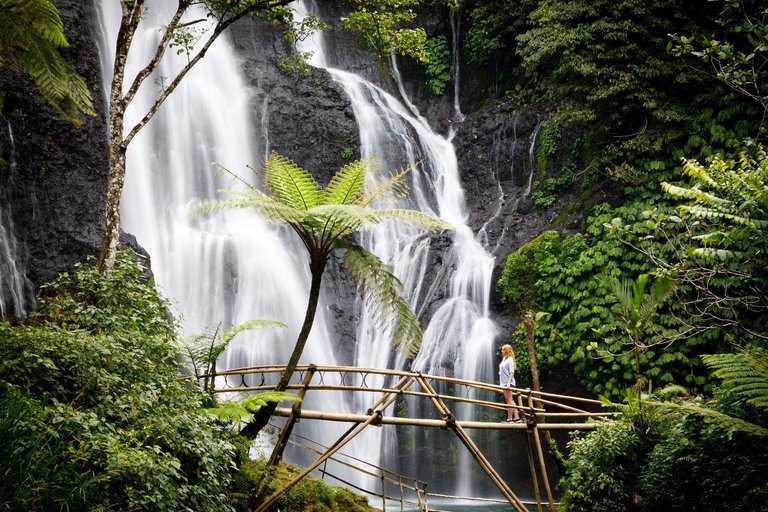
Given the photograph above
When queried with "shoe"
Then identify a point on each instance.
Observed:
(518, 420)
(507, 421)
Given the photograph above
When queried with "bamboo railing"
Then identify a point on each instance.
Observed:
(541, 412)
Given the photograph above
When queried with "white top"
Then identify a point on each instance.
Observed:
(507, 370)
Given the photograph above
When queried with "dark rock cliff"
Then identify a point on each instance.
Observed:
(57, 190)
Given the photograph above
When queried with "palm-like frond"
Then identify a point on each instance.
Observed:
(745, 373)
(294, 186)
(415, 218)
(29, 32)
(386, 189)
(381, 292)
(237, 412)
(348, 184)
(227, 336)
(717, 418)
(263, 206)
(346, 217)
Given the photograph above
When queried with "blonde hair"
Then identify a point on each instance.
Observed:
(506, 351)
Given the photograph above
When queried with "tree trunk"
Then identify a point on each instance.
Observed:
(131, 16)
(317, 267)
(528, 321)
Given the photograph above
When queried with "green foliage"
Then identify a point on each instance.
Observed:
(600, 469)
(577, 307)
(733, 195)
(550, 138)
(635, 309)
(381, 22)
(121, 301)
(744, 373)
(348, 153)
(546, 190)
(97, 417)
(30, 32)
(237, 412)
(312, 494)
(493, 26)
(667, 457)
(437, 64)
(739, 54)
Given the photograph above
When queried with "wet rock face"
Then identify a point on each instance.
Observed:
(57, 189)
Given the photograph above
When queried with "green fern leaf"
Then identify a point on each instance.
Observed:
(348, 184)
(416, 219)
(294, 186)
(381, 292)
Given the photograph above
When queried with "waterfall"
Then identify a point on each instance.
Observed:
(227, 268)
(459, 338)
(455, 18)
(15, 289)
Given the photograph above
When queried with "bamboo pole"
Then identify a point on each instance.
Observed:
(335, 447)
(533, 472)
(380, 371)
(541, 462)
(401, 493)
(383, 493)
(476, 453)
(394, 420)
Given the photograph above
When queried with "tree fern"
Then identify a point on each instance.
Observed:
(30, 32)
(321, 218)
(744, 372)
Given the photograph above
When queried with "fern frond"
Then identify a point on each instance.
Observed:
(387, 189)
(745, 373)
(381, 292)
(294, 186)
(227, 336)
(253, 402)
(717, 418)
(43, 16)
(26, 46)
(416, 219)
(230, 411)
(264, 207)
(348, 184)
(347, 216)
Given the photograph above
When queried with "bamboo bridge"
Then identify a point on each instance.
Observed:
(541, 412)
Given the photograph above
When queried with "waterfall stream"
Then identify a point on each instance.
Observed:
(459, 338)
(15, 289)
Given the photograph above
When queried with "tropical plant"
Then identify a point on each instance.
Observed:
(635, 308)
(717, 247)
(381, 24)
(30, 33)
(203, 349)
(322, 218)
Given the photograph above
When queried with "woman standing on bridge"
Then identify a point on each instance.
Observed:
(507, 380)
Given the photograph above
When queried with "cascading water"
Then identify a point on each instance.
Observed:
(227, 268)
(455, 18)
(459, 338)
(15, 289)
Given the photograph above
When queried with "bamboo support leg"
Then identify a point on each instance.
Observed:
(383, 493)
(541, 460)
(336, 446)
(533, 471)
(476, 453)
(400, 481)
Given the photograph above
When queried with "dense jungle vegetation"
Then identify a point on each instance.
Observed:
(658, 301)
